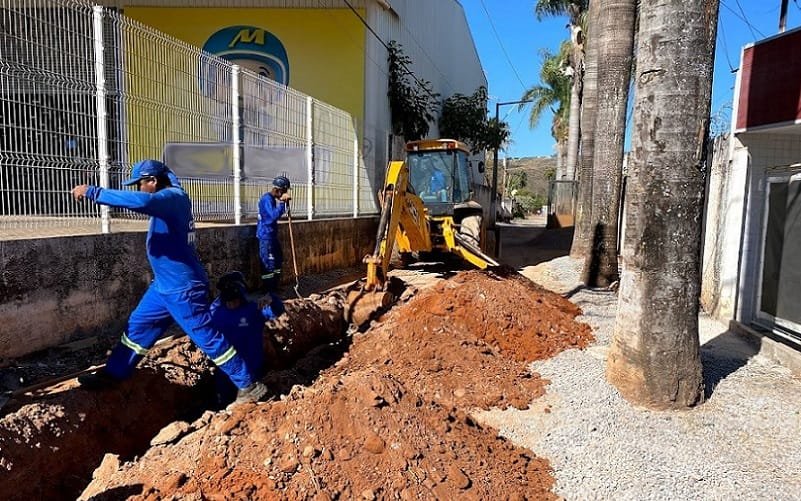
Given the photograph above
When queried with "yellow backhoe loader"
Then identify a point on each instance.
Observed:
(428, 206)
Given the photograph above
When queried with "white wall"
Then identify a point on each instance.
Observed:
(735, 221)
(722, 228)
(437, 38)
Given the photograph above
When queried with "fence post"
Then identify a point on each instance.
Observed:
(355, 176)
(309, 159)
(235, 144)
(100, 103)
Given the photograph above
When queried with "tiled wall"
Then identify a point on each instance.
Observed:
(761, 154)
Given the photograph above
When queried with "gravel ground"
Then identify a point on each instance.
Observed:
(743, 443)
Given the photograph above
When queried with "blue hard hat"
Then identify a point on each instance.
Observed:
(281, 182)
(146, 168)
(232, 286)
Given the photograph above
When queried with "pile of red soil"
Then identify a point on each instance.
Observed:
(390, 419)
(505, 310)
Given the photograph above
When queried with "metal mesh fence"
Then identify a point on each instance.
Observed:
(85, 92)
(275, 139)
(334, 153)
(47, 101)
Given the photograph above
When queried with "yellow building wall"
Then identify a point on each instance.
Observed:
(325, 47)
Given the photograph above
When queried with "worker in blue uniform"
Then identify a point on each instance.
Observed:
(179, 290)
(438, 185)
(242, 324)
(272, 205)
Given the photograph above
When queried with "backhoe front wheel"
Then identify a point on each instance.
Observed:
(401, 259)
(470, 229)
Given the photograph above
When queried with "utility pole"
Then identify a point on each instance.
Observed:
(494, 193)
(783, 16)
(503, 193)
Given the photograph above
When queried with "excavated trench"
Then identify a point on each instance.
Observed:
(373, 415)
(52, 440)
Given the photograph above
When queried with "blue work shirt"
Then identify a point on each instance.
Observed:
(437, 182)
(243, 327)
(170, 238)
(270, 211)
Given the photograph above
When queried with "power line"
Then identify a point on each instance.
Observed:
(750, 26)
(507, 114)
(386, 46)
(745, 20)
(366, 25)
(497, 37)
(350, 35)
(428, 56)
(725, 47)
(517, 127)
(378, 66)
(522, 117)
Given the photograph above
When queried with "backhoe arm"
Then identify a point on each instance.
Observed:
(403, 219)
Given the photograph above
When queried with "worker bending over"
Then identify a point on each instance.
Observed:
(242, 324)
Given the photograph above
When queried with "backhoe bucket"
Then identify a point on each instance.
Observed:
(363, 305)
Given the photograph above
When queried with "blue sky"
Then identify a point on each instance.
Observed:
(509, 39)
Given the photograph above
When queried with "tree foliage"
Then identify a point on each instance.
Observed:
(527, 203)
(412, 102)
(465, 118)
(516, 181)
(496, 135)
(553, 92)
(573, 9)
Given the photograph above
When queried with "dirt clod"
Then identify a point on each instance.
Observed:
(457, 477)
(170, 433)
(373, 443)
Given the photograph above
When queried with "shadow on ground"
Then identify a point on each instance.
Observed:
(724, 355)
(528, 245)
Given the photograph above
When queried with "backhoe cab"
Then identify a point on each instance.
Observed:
(426, 206)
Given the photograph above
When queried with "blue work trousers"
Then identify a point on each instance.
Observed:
(155, 313)
(272, 258)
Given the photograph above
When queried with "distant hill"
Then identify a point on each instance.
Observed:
(535, 168)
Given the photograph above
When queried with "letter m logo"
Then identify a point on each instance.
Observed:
(248, 36)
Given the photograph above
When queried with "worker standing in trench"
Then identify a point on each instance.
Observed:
(272, 205)
(242, 323)
(179, 290)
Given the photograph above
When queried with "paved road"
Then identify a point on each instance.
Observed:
(531, 244)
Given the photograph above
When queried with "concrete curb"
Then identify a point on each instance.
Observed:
(770, 345)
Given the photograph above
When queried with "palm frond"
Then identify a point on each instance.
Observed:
(573, 9)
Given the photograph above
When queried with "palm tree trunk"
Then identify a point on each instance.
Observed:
(573, 131)
(574, 121)
(560, 160)
(582, 231)
(654, 359)
(615, 36)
